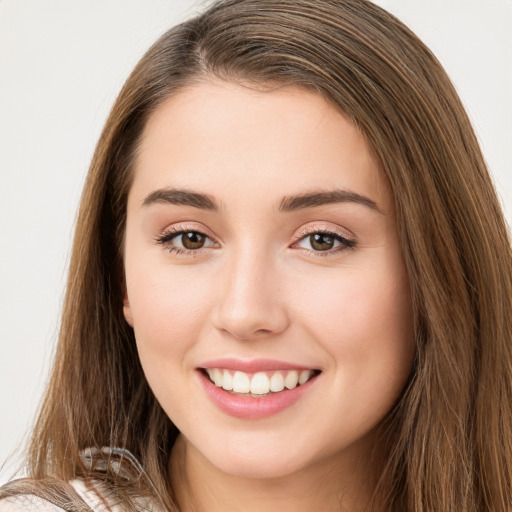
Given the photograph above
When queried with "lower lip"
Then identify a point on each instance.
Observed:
(253, 408)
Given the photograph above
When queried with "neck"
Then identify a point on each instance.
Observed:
(342, 485)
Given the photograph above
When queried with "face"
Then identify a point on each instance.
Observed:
(264, 278)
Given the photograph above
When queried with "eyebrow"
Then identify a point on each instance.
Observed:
(183, 197)
(321, 198)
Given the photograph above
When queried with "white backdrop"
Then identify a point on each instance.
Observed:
(61, 66)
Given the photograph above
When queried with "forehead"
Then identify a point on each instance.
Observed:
(218, 135)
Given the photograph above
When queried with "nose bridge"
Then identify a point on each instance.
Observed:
(251, 302)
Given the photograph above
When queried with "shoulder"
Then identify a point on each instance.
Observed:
(92, 495)
(27, 503)
(80, 495)
(95, 497)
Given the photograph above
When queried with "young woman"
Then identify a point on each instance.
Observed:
(290, 286)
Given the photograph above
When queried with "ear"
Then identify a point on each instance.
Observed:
(127, 310)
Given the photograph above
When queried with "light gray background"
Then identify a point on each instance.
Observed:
(62, 63)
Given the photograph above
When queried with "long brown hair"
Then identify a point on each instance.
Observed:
(452, 429)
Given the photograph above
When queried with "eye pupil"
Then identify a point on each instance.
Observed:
(321, 241)
(192, 240)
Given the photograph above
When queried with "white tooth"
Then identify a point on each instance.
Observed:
(291, 379)
(209, 371)
(241, 383)
(227, 380)
(277, 382)
(260, 384)
(304, 376)
(217, 377)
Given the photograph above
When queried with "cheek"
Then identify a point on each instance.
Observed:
(359, 302)
(168, 307)
(370, 340)
(363, 319)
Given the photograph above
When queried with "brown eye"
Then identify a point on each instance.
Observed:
(321, 241)
(325, 243)
(192, 240)
(185, 242)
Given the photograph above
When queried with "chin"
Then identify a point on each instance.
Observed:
(257, 467)
(258, 460)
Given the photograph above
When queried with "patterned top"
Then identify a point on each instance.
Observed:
(95, 495)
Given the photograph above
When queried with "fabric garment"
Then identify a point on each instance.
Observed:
(28, 503)
(95, 494)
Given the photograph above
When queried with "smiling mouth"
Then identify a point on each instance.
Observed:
(258, 384)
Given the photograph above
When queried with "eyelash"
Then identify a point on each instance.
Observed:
(345, 243)
(165, 240)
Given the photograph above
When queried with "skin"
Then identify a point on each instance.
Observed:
(258, 288)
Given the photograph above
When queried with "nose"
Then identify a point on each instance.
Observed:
(251, 303)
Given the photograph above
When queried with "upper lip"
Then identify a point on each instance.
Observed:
(252, 365)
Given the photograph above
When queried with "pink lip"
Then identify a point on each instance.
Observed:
(252, 366)
(251, 408)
